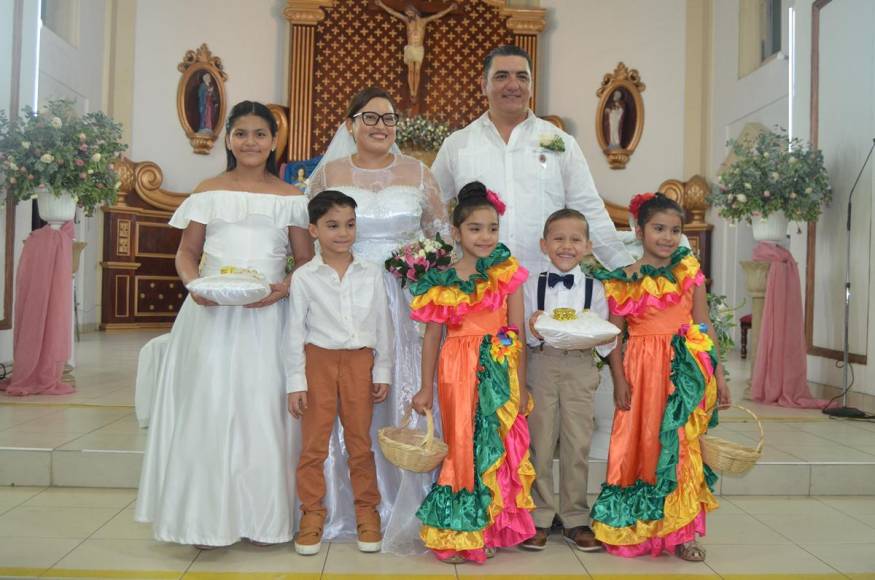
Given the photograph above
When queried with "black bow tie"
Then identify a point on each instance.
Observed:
(567, 279)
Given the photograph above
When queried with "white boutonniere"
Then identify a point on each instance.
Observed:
(551, 142)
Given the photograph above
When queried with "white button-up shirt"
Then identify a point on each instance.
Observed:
(533, 181)
(337, 313)
(561, 297)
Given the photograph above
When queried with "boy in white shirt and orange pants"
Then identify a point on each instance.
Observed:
(339, 357)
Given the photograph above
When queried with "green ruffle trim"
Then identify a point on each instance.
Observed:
(620, 507)
(645, 270)
(450, 278)
(468, 511)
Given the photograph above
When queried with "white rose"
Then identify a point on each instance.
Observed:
(56, 122)
(766, 154)
(13, 166)
(775, 176)
(793, 160)
(741, 198)
(767, 193)
(82, 136)
(808, 190)
(47, 158)
(90, 171)
(545, 139)
(25, 144)
(747, 186)
(95, 157)
(792, 195)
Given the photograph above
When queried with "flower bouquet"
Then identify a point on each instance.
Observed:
(771, 174)
(409, 262)
(61, 150)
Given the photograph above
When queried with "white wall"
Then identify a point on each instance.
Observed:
(250, 37)
(845, 145)
(586, 39)
(762, 97)
(27, 96)
(76, 73)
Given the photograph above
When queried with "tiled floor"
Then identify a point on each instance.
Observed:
(807, 528)
(90, 533)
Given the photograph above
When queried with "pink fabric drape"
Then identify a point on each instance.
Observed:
(780, 374)
(41, 338)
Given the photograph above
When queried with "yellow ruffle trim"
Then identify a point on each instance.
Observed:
(497, 275)
(692, 493)
(441, 539)
(623, 290)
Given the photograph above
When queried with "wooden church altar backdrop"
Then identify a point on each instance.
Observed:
(338, 47)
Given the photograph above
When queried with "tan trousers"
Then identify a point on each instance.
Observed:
(338, 382)
(563, 384)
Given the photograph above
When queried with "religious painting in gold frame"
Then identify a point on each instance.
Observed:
(200, 98)
(619, 118)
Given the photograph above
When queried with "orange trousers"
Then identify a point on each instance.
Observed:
(339, 382)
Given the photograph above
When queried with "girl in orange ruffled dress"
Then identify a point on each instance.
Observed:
(667, 386)
(482, 499)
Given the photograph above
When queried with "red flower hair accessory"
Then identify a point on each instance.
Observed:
(638, 201)
(496, 201)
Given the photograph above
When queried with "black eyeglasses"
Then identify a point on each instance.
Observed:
(370, 118)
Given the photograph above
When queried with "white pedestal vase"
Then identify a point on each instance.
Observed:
(756, 279)
(55, 209)
(772, 228)
(603, 407)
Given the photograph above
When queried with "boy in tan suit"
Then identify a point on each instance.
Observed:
(563, 384)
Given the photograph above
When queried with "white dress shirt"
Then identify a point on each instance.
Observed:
(561, 297)
(337, 313)
(533, 181)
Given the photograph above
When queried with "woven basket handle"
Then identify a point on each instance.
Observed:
(759, 425)
(429, 429)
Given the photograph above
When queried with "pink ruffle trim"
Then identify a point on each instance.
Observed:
(633, 306)
(656, 546)
(513, 524)
(492, 300)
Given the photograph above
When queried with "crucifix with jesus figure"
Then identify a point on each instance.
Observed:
(416, 21)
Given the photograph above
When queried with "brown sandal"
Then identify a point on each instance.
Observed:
(690, 552)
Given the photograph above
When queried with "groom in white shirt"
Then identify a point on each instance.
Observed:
(536, 167)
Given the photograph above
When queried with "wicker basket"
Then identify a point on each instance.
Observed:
(729, 457)
(410, 449)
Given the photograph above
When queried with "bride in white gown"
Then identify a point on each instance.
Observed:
(220, 457)
(398, 202)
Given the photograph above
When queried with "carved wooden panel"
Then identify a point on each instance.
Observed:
(339, 47)
(140, 288)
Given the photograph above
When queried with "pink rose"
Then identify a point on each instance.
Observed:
(79, 163)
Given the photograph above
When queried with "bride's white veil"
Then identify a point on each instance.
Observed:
(342, 145)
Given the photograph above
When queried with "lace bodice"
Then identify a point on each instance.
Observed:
(396, 204)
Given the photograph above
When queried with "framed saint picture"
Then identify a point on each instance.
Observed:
(200, 98)
(619, 118)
